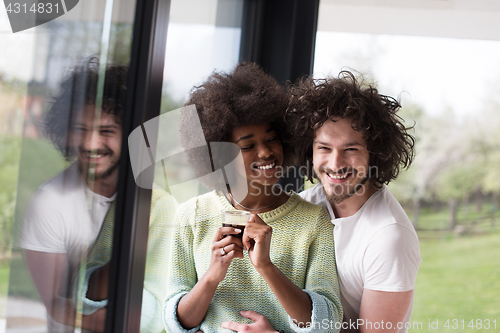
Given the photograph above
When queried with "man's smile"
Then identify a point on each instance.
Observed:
(338, 176)
(94, 155)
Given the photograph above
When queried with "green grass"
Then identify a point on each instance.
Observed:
(4, 286)
(9, 166)
(21, 284)
(4, 277)
(458, 279)
(432, 219)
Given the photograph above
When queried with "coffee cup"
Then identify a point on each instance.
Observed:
(236, 219)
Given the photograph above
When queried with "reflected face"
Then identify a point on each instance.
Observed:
(97, 144)
(340, 158)
(262, 152)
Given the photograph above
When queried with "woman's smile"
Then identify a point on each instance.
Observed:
(262, 153)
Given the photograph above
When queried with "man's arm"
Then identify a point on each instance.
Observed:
(391, 264)
(383, 307)
(49, 272)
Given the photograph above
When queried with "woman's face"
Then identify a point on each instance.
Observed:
(262, 152)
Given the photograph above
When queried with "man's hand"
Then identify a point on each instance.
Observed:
(260, 325)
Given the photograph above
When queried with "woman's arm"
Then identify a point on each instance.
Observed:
(321, 281)
(296, 302)
(193, 306)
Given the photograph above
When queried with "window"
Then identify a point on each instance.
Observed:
(66, 81)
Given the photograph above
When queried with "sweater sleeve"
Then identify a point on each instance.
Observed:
(322, 284)
(181, 271)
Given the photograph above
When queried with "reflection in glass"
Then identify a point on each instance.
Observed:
(202, 37)
(65, 215)
(69, 161)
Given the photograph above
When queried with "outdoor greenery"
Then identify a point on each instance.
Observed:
(458, 279)
(4, 286)
(11, 94)
(4, 278)
(20, 283)
(9, 163)
(456, 163)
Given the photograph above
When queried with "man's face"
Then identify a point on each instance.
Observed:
(340, 159)
(96, 143)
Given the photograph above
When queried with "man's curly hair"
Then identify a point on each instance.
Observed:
(78, 89)
(313, 102)
(245, 96)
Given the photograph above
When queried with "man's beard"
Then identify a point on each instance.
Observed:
(106, 173)
(341, 192)
(88, 171)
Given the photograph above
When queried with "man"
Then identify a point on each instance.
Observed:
(357, 144)
(66, 214)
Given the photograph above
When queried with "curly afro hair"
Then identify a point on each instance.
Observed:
(78, 89)
(313, 102)
(245, 96)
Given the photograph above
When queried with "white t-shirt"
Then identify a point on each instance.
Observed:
(376, 248)
(64, 216)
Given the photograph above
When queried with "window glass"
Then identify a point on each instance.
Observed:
(440, 59)
(203, 36)
(65, 83)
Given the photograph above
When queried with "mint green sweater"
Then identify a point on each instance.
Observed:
(301, 247)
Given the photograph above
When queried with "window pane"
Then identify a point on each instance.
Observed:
(67, 81)
(203, 36)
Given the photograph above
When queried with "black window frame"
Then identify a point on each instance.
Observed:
(145, 81)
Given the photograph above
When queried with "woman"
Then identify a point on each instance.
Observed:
(289, 274)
